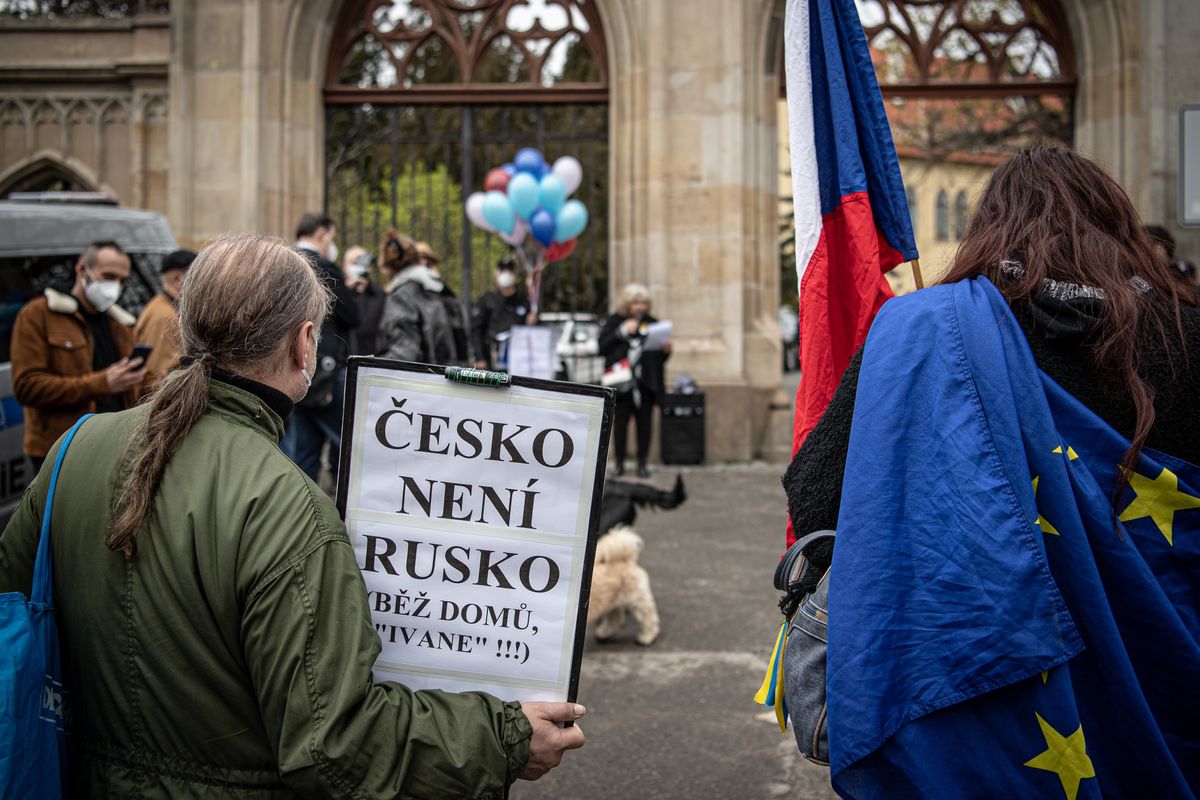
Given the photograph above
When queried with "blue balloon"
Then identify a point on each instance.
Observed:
(542, 226)
(529, 159)
(552, 193)
(545, 170)
(523, 194)
(571, 220)
(509, 169)
(498, 212)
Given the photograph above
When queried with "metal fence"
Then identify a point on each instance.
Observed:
(412, 167)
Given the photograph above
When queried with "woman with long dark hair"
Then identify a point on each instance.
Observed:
(216, 635)
(1010, 468)
(1049, 214)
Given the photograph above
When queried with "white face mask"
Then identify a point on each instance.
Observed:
(505, 279)
(332, 253)
(101, 294)
(304, 372)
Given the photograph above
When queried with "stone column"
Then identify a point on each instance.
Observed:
(694, 196)
(247, 129)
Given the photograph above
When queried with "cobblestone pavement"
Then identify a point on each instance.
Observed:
(677, 719)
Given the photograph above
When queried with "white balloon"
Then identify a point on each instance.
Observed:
(475, 211)
(570, 171)
(518, 235)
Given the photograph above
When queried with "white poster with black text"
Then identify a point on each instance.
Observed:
(472, 511)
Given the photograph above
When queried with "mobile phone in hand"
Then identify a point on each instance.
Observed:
(141, 351)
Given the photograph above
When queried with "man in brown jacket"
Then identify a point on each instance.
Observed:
(70, 352)
(158, 325)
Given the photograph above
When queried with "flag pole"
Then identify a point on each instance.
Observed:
(916, 270)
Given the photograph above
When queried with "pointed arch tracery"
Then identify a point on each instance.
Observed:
(440, 51)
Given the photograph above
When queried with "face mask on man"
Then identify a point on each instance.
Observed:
(101, 294)
(332, 252)
(307, 376)
(505, 279)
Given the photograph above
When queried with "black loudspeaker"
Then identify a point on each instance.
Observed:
(683, 429)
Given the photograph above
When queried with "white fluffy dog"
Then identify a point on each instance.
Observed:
(620, 585)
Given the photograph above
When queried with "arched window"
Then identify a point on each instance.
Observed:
(44, 175)
(942, 220)
(961, 213)
(988, 76)
(431, 50)
(423, 97)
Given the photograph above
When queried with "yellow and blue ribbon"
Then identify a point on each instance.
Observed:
(770, 694)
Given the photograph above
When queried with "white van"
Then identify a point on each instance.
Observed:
(42, 235)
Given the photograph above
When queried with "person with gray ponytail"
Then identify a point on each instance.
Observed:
(215, 629)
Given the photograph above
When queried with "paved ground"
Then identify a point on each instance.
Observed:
(677, 719)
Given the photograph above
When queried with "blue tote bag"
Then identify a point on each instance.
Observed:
(33, 711)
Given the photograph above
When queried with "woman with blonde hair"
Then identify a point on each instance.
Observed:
(215, 629)
(621, 341)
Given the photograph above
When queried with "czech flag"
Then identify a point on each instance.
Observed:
(852, 222)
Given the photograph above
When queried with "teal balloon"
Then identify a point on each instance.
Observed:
(498, 212)
(552, 193)
(570, 221)
(523, 194)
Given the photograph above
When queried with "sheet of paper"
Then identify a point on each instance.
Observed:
(469, 510)
(657, 335)
(531, 351)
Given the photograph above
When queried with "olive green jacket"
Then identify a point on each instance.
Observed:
(232, 657)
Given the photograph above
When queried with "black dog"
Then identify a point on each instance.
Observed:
(622, 498)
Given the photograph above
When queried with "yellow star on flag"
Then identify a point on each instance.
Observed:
(1158, 498)
(1071, 454)
(1065, 755)
(1041, 521)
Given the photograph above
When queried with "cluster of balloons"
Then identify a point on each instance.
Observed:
(529, 198)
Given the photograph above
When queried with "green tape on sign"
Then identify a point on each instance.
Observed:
(477, 377)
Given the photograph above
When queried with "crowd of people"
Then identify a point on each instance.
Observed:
(217, 634)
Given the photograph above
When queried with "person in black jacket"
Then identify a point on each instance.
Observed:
(367, 296)
(454, 310)
(317, 418)
(621, 339)
(495, 312)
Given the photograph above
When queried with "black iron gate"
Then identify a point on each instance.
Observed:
(412, 167)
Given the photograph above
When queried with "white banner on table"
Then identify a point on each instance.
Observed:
(470, 512)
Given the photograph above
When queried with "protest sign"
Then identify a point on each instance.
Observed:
(473, 512)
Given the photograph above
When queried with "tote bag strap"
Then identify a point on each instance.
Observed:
(42, 590)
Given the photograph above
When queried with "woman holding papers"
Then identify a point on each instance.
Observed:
(634, 350)
(214, 621)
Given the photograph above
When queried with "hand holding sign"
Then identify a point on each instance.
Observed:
(549, 742)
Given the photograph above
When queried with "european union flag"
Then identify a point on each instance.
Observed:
(999, 627)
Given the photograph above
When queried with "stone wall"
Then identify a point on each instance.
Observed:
(694, 195)
(89, 98)
(245, 86)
